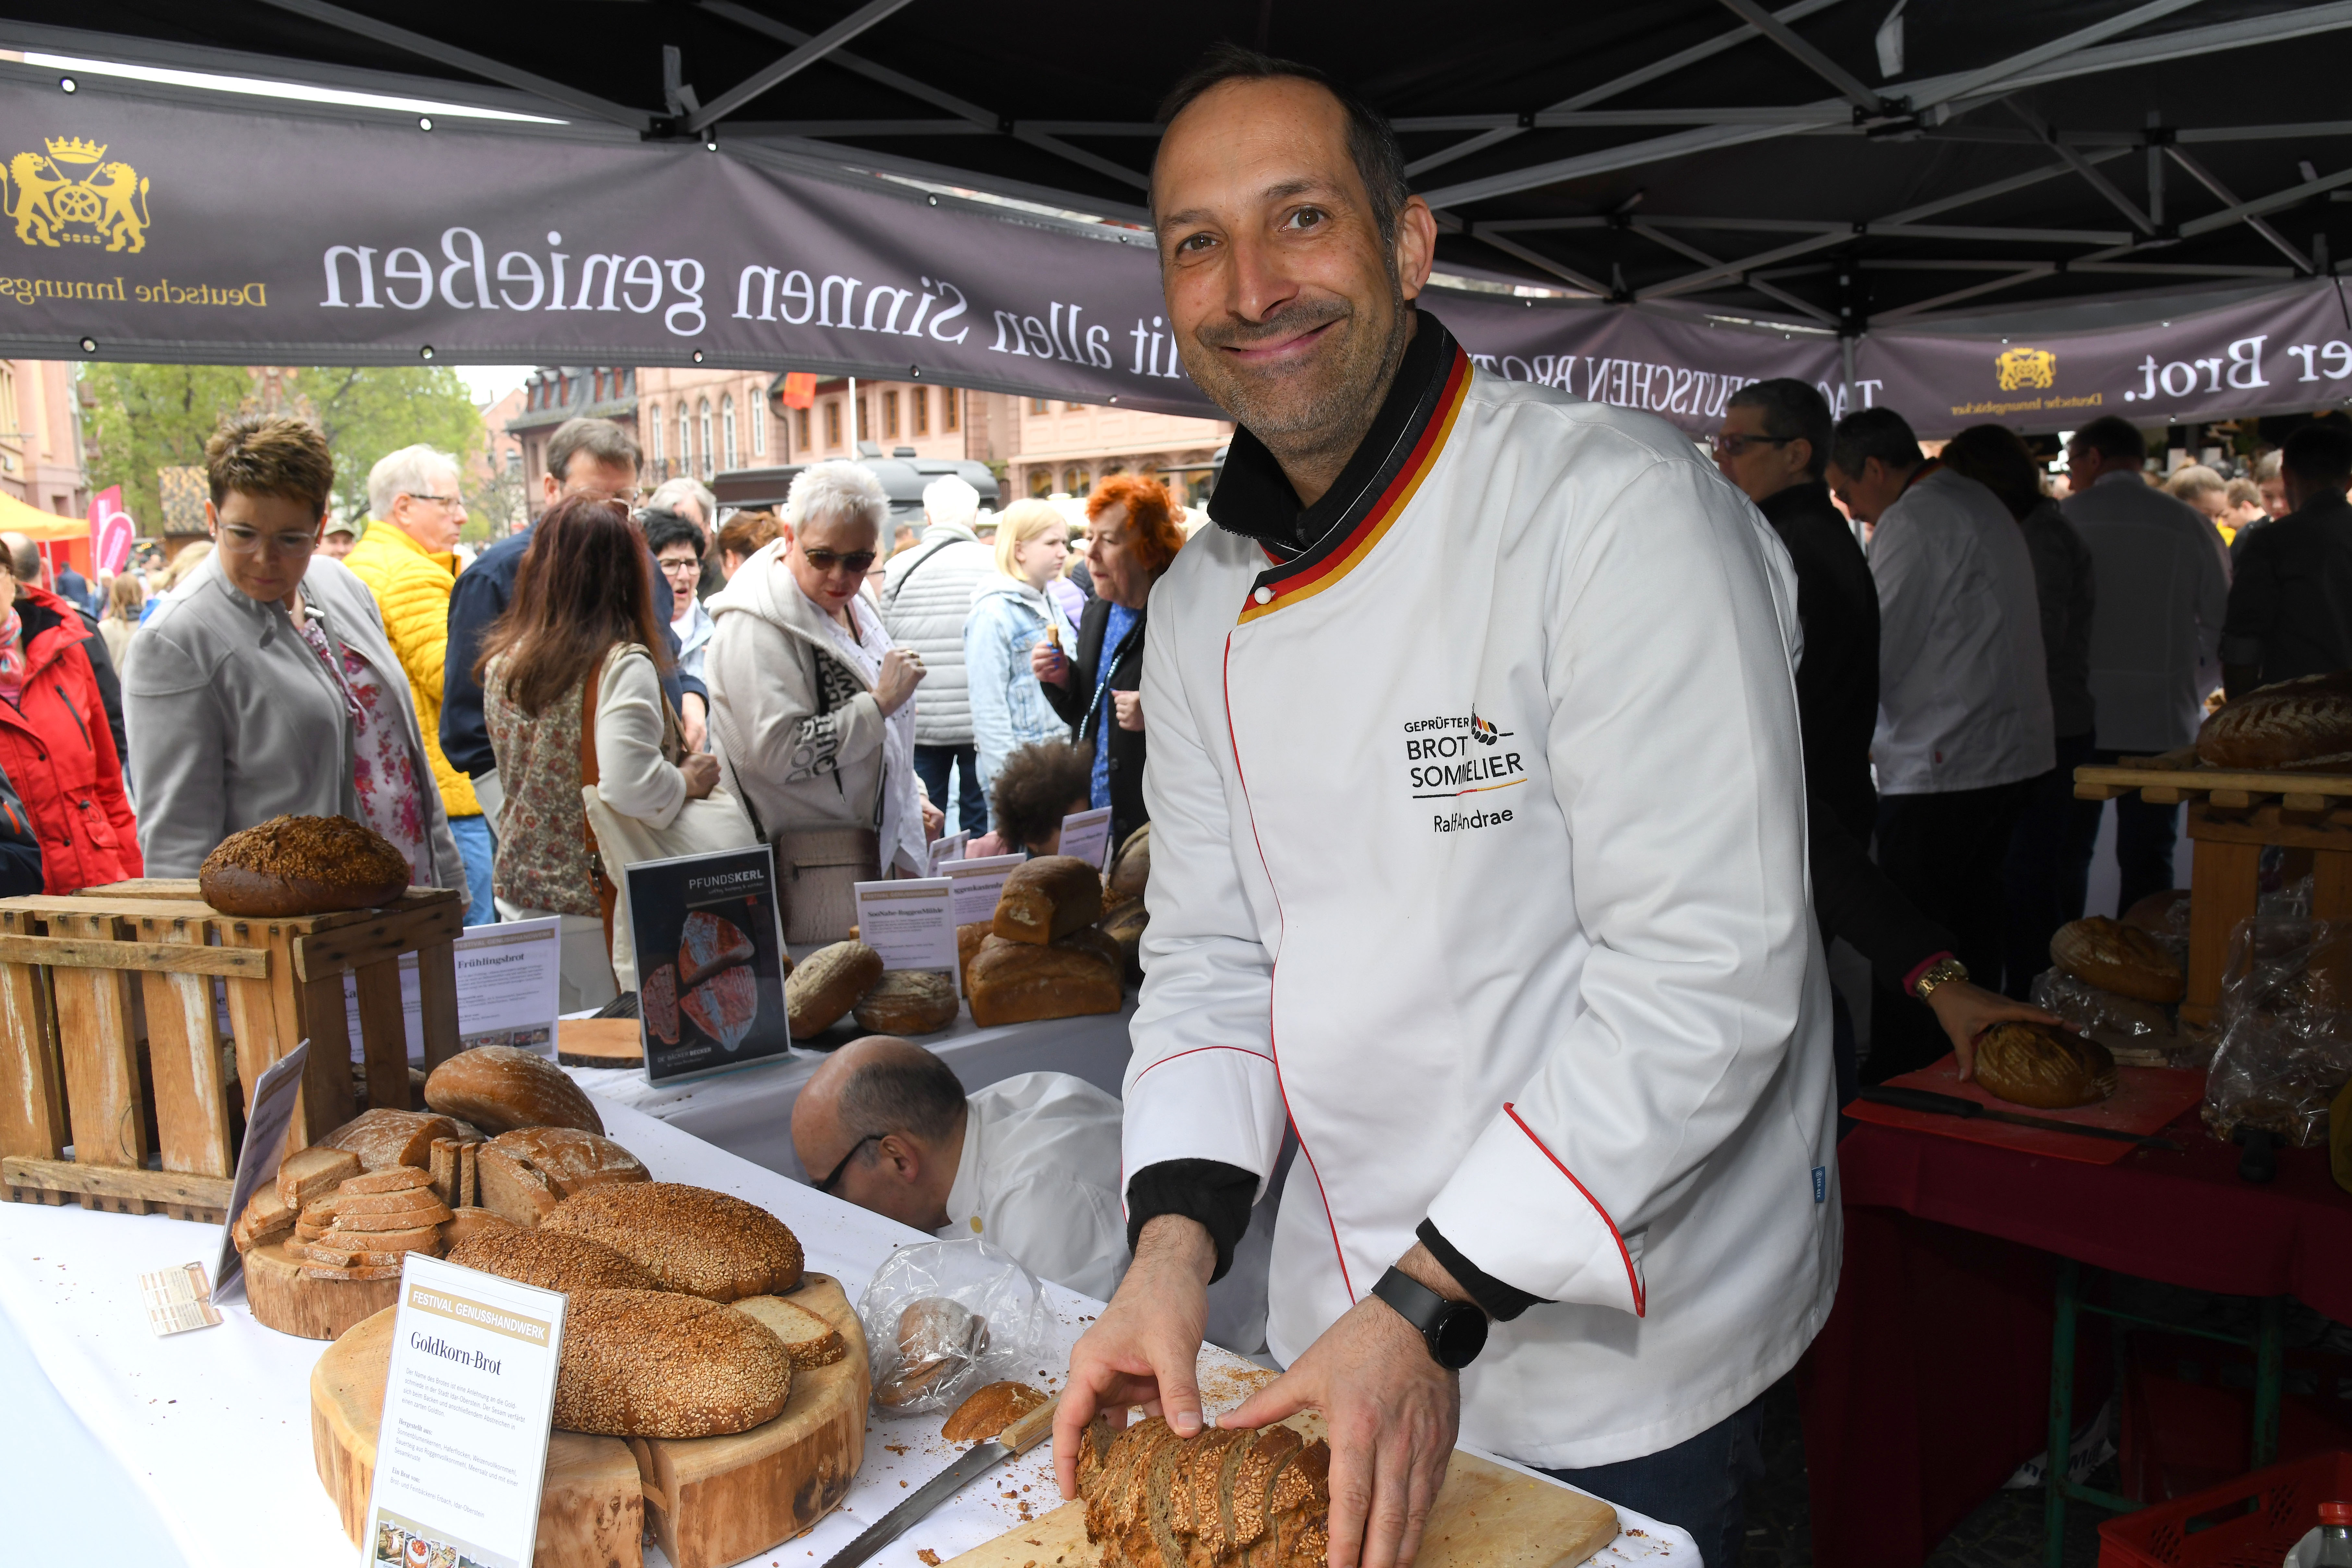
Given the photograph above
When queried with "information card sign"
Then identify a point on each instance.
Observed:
(1085, 835)
(710, 962)
(462, 1453)
(910, 922)
(978, 884)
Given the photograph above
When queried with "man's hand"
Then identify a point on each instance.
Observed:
(1127, 708)
(1967, 1011)
(700, 771)
(1146, 1347)
(935, 821)
(1392, 1412)
(691, 723)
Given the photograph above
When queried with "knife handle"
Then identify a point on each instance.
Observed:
(1030, 1430)
(1925, 1099)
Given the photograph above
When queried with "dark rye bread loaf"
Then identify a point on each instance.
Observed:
(303, 866)
(498, 1088)
(1047, 899)
(2115, 957)
(642, 1364)
(826, 985)
(691, 1239)
(1226, 1498)
(2304, 724)
(908, 1001)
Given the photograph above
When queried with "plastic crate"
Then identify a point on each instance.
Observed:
(2251, 1523)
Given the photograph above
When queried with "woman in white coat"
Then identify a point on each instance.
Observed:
(1010, 611)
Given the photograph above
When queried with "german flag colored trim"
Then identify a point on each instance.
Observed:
(1308, 576)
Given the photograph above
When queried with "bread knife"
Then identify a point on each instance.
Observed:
(1013, 1442)
(1934, 1104)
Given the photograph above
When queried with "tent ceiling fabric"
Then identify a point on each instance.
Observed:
(1745, 159)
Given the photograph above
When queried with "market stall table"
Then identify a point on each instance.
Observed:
(211, 1429)
(1930, 1383)
(749, 1112)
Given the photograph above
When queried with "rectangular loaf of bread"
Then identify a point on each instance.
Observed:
(1018, 981)
(1220, 1499)
(1047, 899)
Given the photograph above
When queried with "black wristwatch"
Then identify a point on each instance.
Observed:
(1455, 1331)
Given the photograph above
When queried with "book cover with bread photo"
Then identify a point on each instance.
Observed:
(710, 962)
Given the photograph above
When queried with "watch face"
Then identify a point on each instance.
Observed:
(1460, 1334)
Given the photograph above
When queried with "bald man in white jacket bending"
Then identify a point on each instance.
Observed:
(1478, 859)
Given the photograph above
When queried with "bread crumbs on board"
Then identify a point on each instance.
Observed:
(930, 1558)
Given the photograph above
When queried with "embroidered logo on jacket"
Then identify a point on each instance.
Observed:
(1453, 755)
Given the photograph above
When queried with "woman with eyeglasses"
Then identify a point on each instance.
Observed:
(678, 548)
(264, 684)
(813, 710)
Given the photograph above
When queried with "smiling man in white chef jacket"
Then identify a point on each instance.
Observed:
(1478, 856)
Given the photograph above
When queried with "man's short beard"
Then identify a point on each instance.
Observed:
(1339, 407)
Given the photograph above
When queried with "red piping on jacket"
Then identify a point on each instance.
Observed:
(1640, 1297)
(1225, 678)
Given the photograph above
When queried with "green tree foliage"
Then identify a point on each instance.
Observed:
(151, 417)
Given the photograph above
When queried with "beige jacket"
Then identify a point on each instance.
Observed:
(798, 732)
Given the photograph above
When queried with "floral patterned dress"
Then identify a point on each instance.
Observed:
(381, 769)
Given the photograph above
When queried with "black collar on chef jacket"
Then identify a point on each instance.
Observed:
(1255, 500)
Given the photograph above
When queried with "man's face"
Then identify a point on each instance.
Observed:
(1866, 495)
(590, 476)
(1755, 460)
(336, 545)
(432, 520)
(1286, 304)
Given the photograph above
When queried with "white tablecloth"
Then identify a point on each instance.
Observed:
(195, 1450)
(749, 1112)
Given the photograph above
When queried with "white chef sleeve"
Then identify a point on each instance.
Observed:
(1672, 744)
(1201, 1083)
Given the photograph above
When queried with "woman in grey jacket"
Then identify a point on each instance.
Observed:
(265, 684)
(811, 706)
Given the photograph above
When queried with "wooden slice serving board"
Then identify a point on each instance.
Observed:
(599, 1043)
(1486, 1517)
(711, 1500)
(282, 1297)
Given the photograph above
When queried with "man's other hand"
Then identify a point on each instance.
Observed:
(1146, 1347)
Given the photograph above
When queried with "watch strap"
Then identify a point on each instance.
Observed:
(1431, 1315)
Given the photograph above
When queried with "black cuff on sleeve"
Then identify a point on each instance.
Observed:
(1503, 1302)
(1217, 1194)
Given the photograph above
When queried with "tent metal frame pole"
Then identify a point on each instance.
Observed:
(2081, 165)
(1611, 88)
(2058, 60)
(1536, 259)
(2026, 275)
(1849, 86)
(786, 66)
(1770, 291)
(2212, 181)
(398, 37)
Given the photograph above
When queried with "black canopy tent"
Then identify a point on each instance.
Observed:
(1823, 168)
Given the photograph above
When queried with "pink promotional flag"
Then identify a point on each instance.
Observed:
(110, 530)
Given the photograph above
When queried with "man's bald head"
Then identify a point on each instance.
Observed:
(889, 1116)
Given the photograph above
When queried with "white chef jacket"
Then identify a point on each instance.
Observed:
(1963, 690)
(1039, 1177)
(1478, 854)
(2163, 580)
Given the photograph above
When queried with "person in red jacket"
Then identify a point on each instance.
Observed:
(54, 744)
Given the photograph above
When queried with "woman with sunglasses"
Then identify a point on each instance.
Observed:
(813, 710)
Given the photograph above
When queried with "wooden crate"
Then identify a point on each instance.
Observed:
(2233, 816)
(88, 979)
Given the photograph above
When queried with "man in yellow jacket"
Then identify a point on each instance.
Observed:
(407, 559)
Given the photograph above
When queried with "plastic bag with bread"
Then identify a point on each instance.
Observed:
(944, 1318)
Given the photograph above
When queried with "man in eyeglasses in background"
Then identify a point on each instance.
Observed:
(1775, 445)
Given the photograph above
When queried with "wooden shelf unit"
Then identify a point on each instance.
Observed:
(2234, 816)
(89, 980)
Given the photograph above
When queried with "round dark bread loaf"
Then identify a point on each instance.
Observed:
(303, 866)
(2050, 1069)
(2115, 957)
(692, 1240)
(498, 1088)
(826, 985)
(909, 1002)
(2302, 723)
(641, 1363)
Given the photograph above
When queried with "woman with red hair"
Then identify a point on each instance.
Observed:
(1134, 529)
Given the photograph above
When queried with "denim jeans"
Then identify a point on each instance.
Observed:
(931, 764)
(1694, 1484)
(478, 847)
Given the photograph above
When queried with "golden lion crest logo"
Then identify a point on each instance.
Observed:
(106, 202)
(2026, 367)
